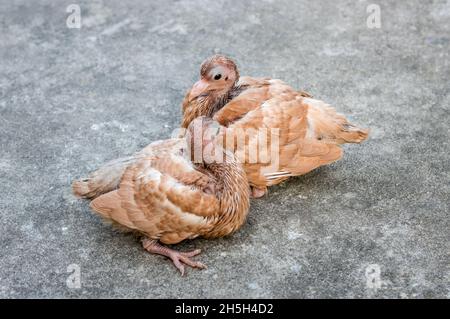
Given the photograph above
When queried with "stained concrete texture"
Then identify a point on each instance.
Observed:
(375, 224)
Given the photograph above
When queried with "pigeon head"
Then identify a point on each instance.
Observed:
(218, 74)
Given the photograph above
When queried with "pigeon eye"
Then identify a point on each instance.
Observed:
(217, 76)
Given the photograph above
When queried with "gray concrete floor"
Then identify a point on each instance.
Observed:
(375, 224)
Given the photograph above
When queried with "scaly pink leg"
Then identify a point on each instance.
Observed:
(258, 192)
(177, 257)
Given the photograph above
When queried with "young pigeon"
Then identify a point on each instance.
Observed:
(308, 132)
(163, 195)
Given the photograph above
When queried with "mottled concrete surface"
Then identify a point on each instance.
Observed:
(71, 99)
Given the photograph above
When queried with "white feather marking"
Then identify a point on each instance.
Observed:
(151, 174)
(276, 175)
(310, 132)
(192, 218)
(265, 105)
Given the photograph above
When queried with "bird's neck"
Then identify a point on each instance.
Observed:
(214, 101)
(207, 104)
(233, 193)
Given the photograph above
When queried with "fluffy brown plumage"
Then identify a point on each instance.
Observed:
(161, 194)
(310, 131)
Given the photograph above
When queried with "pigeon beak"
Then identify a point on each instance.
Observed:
(198, 88)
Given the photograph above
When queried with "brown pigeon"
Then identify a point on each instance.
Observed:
(304, 132)
(161, 194)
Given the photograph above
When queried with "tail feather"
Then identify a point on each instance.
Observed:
(353, 134)
(96, 185)
(326, 124)
(81, 188)
(103, 180)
